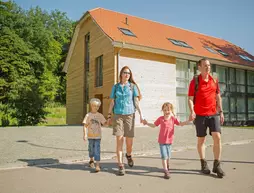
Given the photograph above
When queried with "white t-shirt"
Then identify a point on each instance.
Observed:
(94, 121)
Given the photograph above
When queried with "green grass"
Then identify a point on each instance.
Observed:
(56, 115)
(241, 127)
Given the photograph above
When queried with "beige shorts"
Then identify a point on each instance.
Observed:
(123, 125)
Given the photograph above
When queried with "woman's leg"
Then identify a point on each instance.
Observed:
(119, 150)
(129, 143)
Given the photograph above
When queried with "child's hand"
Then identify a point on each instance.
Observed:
(85, 138)
(145, 122)
(109, 121)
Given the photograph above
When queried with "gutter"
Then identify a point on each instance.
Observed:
(179, 55)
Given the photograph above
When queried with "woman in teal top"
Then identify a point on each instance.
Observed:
(125, 97)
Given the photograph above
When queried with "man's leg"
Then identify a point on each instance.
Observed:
(201, 128)
(215, 131)
(201, 151)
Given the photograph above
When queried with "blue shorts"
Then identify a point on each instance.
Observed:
(165, 151)
(94, 148)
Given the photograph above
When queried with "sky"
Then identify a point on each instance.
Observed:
(232, 20)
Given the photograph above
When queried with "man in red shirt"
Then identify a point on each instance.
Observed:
(203, 104)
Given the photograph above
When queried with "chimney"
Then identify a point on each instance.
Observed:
(126, 21)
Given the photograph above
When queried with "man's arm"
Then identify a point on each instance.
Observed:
(191, 107)
(219, 102)
(220, 109)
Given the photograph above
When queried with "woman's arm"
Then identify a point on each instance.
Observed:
(111, 106)
(136, 101)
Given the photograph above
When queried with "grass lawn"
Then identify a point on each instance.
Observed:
(56, 116)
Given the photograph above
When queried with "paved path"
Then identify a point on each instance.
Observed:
(57, 162)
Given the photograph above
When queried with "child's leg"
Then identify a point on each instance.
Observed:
(169, 148)
(97, 153)
(91, 148)
(164, 156)
(164, 164)
(91, 152)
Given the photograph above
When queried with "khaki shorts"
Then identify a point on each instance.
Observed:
(123, 125)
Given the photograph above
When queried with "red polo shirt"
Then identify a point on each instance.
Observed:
(205, 101)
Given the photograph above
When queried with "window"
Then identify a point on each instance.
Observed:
(87, 51)
(179, 43)
(222, 53)
(210, 50)
(127, 32)
(99, 71)
(246, 58)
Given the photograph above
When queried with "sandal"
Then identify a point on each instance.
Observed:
(91, 164)
(130, 160)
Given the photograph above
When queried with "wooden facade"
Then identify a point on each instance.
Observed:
(100, 44)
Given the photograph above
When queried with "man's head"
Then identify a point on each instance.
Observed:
(204, 66)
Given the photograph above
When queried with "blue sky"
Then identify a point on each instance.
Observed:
(232, 20)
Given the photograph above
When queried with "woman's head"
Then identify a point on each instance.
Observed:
(126, 75)
(168, 108)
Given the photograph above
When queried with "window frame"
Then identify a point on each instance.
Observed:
(130, 33)
(179, 43)
(99, 71)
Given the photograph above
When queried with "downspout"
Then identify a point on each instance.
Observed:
(118, 55)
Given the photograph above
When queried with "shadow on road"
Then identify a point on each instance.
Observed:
(109, 167)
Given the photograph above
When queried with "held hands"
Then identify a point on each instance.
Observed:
(109, 121)
(192, 116)
(145, 122)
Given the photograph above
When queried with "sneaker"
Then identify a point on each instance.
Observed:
(91, 164)
(130, 160)
(97, 168)
(217, 169)
(204, 167)
(166, 174)
(121, 171)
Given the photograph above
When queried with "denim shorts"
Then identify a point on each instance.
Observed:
(94, 148)
(165, 151)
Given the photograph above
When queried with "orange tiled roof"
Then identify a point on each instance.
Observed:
(154, 35)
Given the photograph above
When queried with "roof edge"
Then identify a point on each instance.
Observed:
(73, 41)
(177, 54)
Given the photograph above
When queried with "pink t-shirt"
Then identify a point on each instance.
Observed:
(166, 129)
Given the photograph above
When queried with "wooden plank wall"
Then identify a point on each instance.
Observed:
(100, 44)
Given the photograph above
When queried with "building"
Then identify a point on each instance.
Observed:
(163, 61)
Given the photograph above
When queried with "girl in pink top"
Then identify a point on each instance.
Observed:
(166, 135)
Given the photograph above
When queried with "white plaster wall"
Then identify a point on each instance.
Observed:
(157, 82)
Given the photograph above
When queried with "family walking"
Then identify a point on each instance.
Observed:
(205, 110)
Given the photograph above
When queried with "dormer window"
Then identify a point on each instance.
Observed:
(246, 58)
(210, 49)
(179, 43)
(127, 32)
(222, 53)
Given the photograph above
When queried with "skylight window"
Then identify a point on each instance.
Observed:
(210, 50)
(222, 53)
(246, 58)
(179, 43)
(127, 32)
